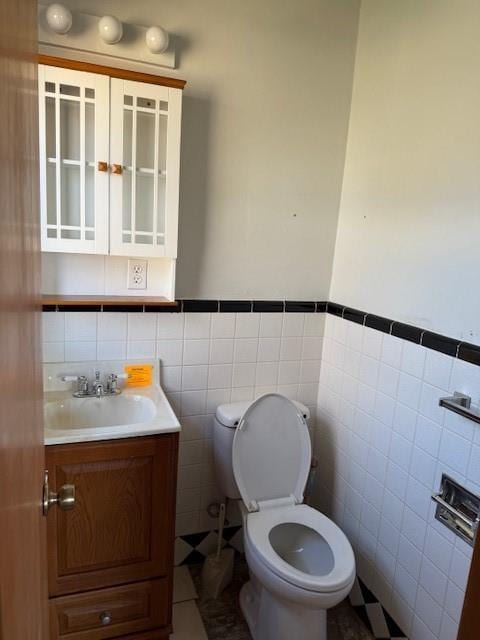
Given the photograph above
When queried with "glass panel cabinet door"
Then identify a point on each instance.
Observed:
(74, 146)
(145, 166)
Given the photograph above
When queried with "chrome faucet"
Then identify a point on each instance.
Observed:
(96, 388)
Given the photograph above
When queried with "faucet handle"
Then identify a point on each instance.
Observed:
(97, 375)
(82, 382)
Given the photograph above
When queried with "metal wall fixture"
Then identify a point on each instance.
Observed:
(461, 404)
(458, 509)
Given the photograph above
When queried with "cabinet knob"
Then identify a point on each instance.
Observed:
(65, 498)
(105, 617)
(102, 166)
(117, 168)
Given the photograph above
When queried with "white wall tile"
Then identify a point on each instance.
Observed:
(112, 350)
(454, 601)
(171, 378)
(170, 352)
(245, 350)
(314, 325)
(429, 611)
(197, 326)
(459, 569)
(267, 374)
(289, 373)
(438, 369)
(404, 421)
(271, 325)
(438, 550)
(243, 374)
(312, 348)
(388, 380)
(392, 351)
(433, 581)
(414, 528)
(141, 326)
(141, 349)
(291, 349)
(112, 326)
(428, 435)
(409, 557)
(293, 324)
(269, 349)
(247, 325)
(53, 327)
(220, 376)
(454, 451)
(194, 378)
(413, 359)
(223, 325)
(80, 326)
(53, 351)
(196, 352)
(170, 326)
(221, 351)
(409, 389)
(80, 351)
(372, 343)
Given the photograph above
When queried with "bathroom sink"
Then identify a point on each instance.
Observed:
(134, 412)
(89, 413)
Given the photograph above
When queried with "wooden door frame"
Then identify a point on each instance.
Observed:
(470, 621)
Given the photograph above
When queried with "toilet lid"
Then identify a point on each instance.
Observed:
(271, 451)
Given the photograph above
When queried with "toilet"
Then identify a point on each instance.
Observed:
(300, 562)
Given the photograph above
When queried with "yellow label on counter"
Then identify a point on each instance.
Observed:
(139, 375)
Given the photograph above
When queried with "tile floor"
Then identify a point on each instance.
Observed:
(198, 617)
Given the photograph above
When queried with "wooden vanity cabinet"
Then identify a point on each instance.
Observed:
(110, 558)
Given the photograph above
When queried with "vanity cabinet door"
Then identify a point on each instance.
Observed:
(121, 528)
(74, 147)
(144, 181)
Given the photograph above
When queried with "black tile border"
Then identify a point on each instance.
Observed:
(269, 306)
(235, 306)
(443, 344)
(292, 306)
(407, 332)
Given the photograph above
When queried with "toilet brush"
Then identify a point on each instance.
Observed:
(217, 570)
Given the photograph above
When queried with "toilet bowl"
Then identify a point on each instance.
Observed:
(300, 562)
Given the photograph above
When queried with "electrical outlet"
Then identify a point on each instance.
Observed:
(137, 274)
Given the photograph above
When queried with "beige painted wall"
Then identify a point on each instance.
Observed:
(409, 227)
(264, 130)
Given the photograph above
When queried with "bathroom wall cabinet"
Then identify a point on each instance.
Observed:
(110, 558)
(109, 162)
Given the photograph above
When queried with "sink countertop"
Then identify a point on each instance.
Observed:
(164, 421)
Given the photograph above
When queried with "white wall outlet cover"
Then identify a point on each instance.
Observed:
(137, 274)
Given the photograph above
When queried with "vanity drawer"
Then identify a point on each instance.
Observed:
(110, 613)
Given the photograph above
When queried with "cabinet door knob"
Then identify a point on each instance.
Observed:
(105, 617)
(117, 168)
(65, 498)
(102, 166)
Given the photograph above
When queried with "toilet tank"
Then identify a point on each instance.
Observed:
(227, 418)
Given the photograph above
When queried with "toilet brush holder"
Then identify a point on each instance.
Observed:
(217, 572)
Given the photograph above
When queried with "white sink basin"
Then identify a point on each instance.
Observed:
(134, 412)
(90, 413)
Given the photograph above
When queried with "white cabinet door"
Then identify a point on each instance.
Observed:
(145, 166)
(74, 147)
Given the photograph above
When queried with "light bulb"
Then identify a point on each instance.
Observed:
(156, 39)
(110, 29)
(59, 18)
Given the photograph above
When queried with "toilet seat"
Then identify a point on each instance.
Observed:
(271, 452)
(326, 538)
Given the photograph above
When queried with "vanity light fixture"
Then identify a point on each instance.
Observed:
(59, 18)
(110, 29)
(157, 39)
